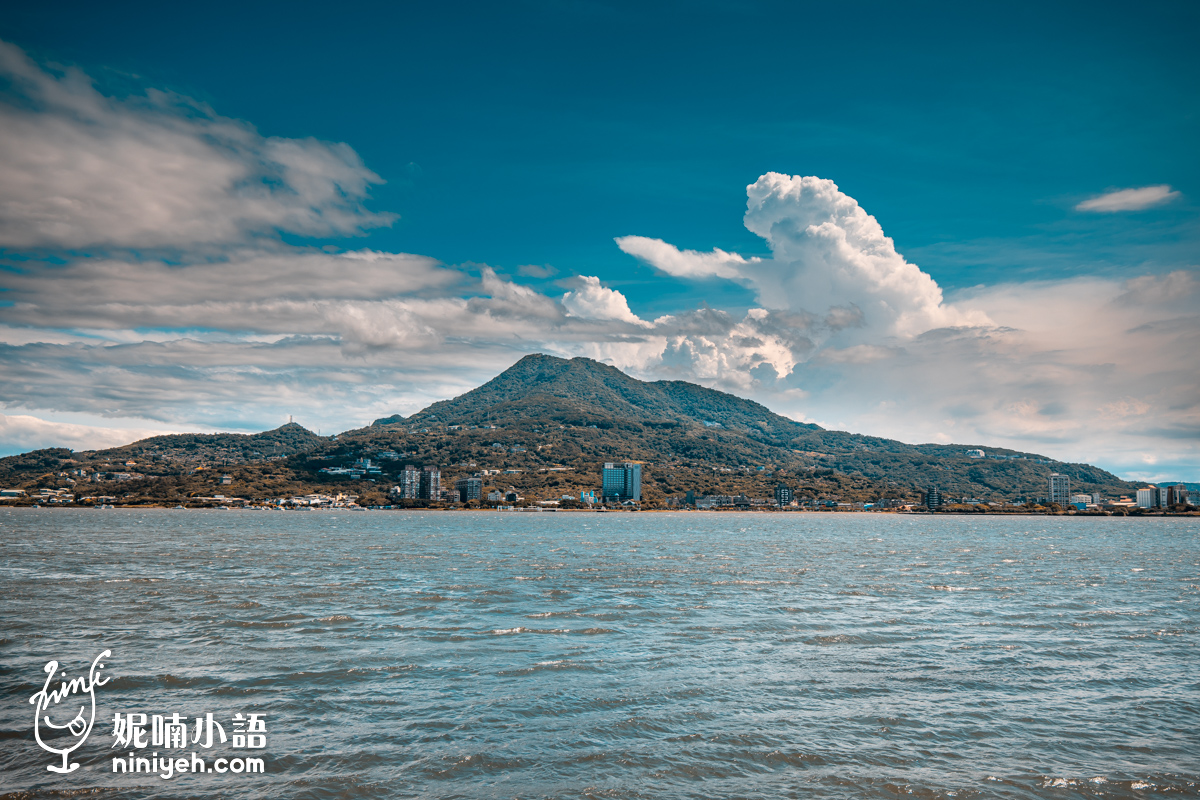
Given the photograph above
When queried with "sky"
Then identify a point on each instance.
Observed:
(936, 223)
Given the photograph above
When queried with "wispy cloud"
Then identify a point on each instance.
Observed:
(80, 169)
(1129, 199)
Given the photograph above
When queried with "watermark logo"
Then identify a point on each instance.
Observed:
(69, 694)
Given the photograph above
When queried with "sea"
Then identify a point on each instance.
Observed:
(407, 654)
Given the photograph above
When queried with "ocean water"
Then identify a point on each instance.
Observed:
(465, 655)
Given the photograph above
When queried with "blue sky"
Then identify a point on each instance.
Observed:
(523, 139)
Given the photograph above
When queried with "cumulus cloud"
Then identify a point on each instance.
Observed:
(81, 169)
(1129, 199)
(829, 257)
(591, 300)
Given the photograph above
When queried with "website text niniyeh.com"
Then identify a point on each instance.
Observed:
(169, 767)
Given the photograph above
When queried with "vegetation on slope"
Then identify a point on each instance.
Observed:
(546, 426)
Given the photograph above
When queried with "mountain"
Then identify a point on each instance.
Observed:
(581, 391)
(229, 448)
(159, 457)
(545, 426)
(694, 428)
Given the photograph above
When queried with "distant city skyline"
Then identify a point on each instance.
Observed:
(971, 228)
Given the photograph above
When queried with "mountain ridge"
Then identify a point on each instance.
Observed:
(546, 425)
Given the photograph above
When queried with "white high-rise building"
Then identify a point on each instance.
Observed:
(410, 483)
(1147, 498)
(1060, 489)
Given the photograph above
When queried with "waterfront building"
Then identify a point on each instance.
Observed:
(783, 495)
(621, 482)
(495, 496)
(933, 497)
(1060, 489)
(1147, 498)
(409, 487)
(469, 489)
(1177, 495)
(588, 497)
(431, 483)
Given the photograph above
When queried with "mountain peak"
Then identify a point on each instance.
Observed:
(585, 391)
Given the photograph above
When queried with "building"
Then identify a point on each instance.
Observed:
(783, 495)
(975, 454)
(1060, 489)
(409, 487)
(1177, 495)
(430, 487)
(588, 497)
(469, 489)
(364, 466)
(933, 497)
(621, 482)
(495, 496)
(722, 500)
(226, 480)
(1147, 498)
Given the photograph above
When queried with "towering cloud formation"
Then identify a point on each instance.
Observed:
(829, 257)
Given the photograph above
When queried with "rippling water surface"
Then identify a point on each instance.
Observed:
(440, 655)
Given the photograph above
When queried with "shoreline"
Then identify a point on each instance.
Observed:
(1139, 513)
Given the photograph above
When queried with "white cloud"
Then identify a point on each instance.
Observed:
(829, 257)
(1084, 370)
(79, 169)
(685, 263)
(591, 300)
(22, 432)
(1129, 199)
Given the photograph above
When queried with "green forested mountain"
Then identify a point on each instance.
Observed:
(696, 429)
(546, 425)
(581, 391)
